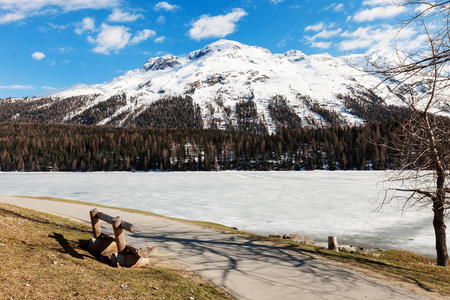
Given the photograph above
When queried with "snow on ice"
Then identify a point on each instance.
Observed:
(316, 204)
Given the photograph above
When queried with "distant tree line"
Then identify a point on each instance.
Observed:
(51, 147)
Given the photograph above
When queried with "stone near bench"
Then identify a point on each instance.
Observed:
(347, 248)
(276, 235)
(299, 238)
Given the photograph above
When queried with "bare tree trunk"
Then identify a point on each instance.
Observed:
(439, 221)
(441, 238)
(439, 198)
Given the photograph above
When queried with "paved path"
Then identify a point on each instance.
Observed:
(244, 268)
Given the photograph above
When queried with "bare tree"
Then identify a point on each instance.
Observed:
(421, 78)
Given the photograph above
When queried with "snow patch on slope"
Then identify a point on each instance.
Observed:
(227, 72)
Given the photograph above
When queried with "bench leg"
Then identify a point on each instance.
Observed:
(102, 246)
(129, 260)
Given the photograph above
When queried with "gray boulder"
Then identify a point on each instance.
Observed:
(347, 248)
(299, 238)
(276, 235)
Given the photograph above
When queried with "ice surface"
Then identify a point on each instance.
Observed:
(317, 204)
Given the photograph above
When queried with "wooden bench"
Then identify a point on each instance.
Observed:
(130, 253)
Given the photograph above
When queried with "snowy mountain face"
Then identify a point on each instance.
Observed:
(224, 85)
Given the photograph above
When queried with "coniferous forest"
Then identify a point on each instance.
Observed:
(50, 147)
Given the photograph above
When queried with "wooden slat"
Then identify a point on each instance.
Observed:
(106, 218)
(113, 220)
(95, 223)
(120, 237)
(128, 226)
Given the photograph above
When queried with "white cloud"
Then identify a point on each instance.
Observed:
(376, 38)
(283, 42)
(276, 1)
(87, 25)
(120, 16)
(160, 39)
(348, 45)
(315, 27)
(48, 88)
(16, 87)
(111, 39)
(161, 20)
(56, 26)
(66, 5)
(380, 12)
(141, 36)
(11, 17)
(324, 34)
(339, 7)
(426, 9)
(321, 45)
(65, 49)
(166, 6)
(38, 55)
(378, 2)
(217, 26)
(14, 10)
(335, 7)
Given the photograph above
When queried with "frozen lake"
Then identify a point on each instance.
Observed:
(317, 204)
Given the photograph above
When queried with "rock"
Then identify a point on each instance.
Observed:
(347, 248)
(299, 238)
(377, 254)
(236, 228)
(276, 235)
(2, 245)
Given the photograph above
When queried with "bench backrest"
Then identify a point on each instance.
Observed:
(117, 224)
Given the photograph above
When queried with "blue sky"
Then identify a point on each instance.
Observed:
(51, 44)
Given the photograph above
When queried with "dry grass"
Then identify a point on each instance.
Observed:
(45, 257)
(400, 265)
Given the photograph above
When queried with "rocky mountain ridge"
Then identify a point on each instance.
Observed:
(224, 85)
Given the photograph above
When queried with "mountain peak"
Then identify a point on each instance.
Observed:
(227, 83)
(160, 63)
(225, 44)
(218, 46)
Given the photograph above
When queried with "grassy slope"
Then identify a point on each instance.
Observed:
(45, 257)
(396, 264)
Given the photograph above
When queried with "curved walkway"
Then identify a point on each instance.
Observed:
(244, 268)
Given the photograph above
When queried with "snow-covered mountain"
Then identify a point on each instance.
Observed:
(225, 84)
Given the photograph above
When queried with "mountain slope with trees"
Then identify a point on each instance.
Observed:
(227, 86)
